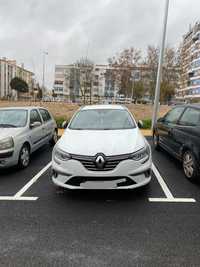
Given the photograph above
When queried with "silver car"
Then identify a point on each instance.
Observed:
(22, 131)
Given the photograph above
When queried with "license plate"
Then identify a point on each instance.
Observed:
(99, 185)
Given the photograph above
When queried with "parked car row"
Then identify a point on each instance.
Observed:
(102, 146)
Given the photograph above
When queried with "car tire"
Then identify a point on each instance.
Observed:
(156, 141)
(24, 157)
(54, 138)
(190, 166)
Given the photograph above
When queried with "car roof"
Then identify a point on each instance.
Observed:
(117, 107)
(25, 107)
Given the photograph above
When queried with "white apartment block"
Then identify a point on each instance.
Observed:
(69, 81)
(190, 65)
(8, 70)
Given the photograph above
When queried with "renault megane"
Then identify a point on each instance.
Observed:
(102, 148)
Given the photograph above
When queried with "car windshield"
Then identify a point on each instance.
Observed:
(13, 118)
(102, 119)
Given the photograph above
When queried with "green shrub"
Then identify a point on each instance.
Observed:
(60, 120)
(146, 124)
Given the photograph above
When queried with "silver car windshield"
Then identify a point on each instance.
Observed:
(13, 118)
(102, 119)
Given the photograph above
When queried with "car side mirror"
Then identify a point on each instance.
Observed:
(64, 124)
(35, 124)
(140, 124)
(161, 119)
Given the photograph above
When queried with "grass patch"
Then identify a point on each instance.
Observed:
(146, 124)
(60, 120)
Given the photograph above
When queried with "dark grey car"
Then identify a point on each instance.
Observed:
(178, 132)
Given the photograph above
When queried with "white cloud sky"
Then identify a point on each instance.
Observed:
(68, 29)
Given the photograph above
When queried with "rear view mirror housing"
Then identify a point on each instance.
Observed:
(161, 119)
(35, 124)
(64, 124)
(140, 124)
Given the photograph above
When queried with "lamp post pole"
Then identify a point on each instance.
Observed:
(159, 73)
(44, 67)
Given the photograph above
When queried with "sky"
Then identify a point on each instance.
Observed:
(98, 29)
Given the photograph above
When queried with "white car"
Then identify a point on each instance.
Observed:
(22, 131)
(102, 148)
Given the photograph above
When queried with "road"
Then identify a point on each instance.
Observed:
(46, 226)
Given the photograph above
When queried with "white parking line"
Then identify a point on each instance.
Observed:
(18, 198)
(32, 181)
(168, 194)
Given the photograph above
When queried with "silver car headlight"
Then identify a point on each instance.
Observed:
(142, 154)
(6, 143)
(61, 155)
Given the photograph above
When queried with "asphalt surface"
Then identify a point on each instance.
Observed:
(63, 228)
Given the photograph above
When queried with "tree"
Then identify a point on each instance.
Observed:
(122, 68)
(138, 90)
(82, 78)
(170, 71)
(19, 85)
(54, 95)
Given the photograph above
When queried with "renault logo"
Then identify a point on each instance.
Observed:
(100, 161)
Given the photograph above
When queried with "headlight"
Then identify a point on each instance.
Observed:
(6, 143)
(143, 154)
(61, 155)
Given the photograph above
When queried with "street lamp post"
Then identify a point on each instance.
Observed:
(43, 75)
(159, 73)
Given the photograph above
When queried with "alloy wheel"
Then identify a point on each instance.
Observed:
(188, 164)
(24, 156)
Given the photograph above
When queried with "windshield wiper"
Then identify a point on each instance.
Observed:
(7, 125)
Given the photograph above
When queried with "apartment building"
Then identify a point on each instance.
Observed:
(72, 81)
(189, 84)
(8, 70)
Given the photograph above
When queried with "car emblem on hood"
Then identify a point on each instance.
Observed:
(100, 161)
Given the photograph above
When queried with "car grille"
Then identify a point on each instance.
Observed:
(110, 164)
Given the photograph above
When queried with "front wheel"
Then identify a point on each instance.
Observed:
(24, 157)
(190, 166)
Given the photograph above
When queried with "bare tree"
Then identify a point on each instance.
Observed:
(170, 71)
(122, 66)
(85, 68)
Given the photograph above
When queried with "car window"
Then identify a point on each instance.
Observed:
(45, 115)
(191, 117)
(174, 114)
(102, 119)
(13, 118)
(35, 116)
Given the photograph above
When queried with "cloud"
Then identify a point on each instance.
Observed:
(69, 30)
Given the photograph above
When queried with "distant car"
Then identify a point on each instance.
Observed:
(178, 132)
(102, 148)
(22, 131)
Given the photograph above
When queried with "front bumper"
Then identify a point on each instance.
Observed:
(8, 158)
(128, 174)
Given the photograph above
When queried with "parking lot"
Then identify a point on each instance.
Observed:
(41, 225)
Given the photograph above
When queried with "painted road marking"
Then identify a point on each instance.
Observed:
(32, 181)
(167, 192)
(18, 198)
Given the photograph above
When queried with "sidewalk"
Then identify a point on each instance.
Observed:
(145, 132)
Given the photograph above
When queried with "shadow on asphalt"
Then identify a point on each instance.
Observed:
(104, 195)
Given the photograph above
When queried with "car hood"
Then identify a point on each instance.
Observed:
(7, 132)
(108, 142)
